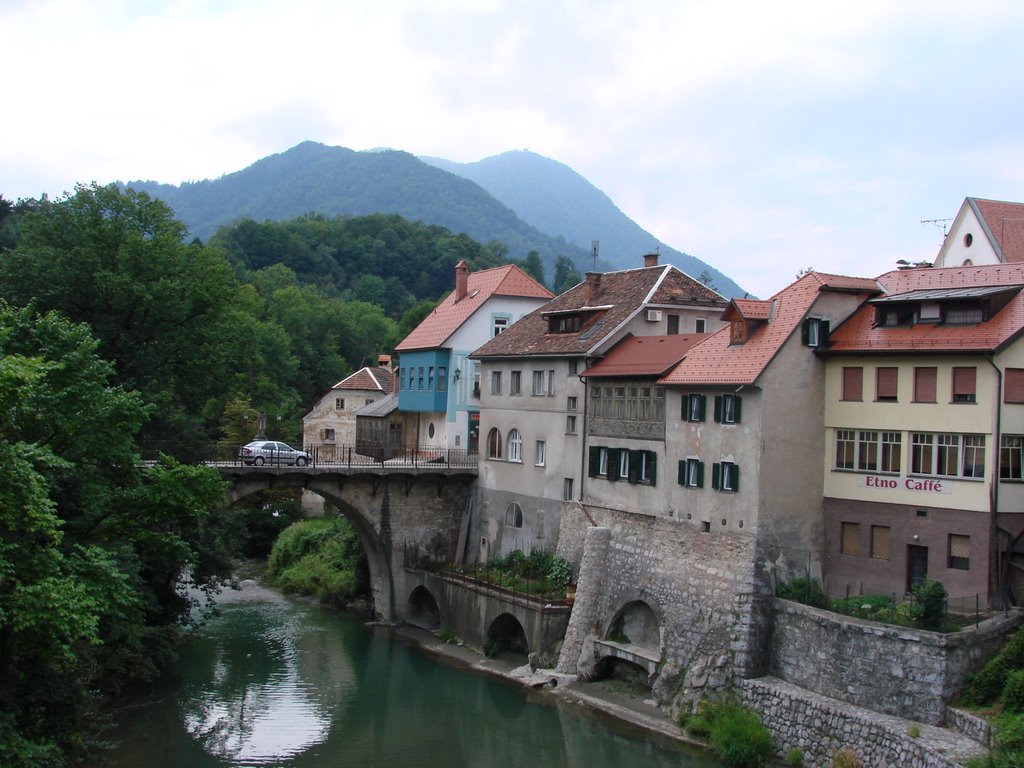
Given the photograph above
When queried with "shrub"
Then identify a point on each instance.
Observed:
(914, 731)
(803, 590)
(446, 636)
(559, 572)
(930, 605)
(985, 685)
(845, 758)
(319, 557)
(794, 758)
(739, 737)
(1013, 692)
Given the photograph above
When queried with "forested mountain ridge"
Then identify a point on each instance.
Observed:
(335, 181)
(559, 212)
(557, 200)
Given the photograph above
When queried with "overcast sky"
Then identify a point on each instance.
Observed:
(761, 137)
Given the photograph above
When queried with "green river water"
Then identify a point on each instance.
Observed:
(276, 682)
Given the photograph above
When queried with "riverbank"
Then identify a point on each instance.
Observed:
(637, 713)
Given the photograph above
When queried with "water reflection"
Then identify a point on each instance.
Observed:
(273, 682)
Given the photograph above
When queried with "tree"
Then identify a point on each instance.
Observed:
(566, 275)
(534, 267)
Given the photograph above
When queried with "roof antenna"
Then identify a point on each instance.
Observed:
(595, 246)
(938, 222)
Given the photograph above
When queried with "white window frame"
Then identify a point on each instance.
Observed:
(541, 453)
(514, 446)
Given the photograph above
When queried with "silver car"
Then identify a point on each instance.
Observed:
(272, 452)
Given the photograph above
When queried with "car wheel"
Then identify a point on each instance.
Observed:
(258, 461)
(301, 461)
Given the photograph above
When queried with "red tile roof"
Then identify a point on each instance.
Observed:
(617, 297)
(718, 361)
(859, 333)
(377, 379)
(1004, 225)
(644, 355)
(450, 314)
(748, 309)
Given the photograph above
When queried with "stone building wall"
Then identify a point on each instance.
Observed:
(899, 671)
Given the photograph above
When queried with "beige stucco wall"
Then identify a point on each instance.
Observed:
(324, 415)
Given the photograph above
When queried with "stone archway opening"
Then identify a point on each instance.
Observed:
(636, 624)
(506, 639)
(623, 676)
(423, 610)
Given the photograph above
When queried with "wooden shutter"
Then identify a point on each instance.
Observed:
(964, 381)
(682, 472)
(700, 474)
(716, 475)
(652, 467)
(924, 384)
(886, 383)
(718, 408)
(737, 410)
(613, 463)
(595, 461)
(880, 542)
(1013, 385)
(851, 539)
(853, 383)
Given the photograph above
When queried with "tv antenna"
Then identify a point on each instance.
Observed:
(938, 223)
(595, 246)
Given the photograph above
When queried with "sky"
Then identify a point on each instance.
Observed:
(761, 137)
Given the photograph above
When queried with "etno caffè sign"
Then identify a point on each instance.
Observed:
(912, 484)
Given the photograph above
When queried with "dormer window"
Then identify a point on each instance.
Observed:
(815, 332)
(565, 324)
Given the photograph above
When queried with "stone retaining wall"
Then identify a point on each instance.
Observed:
(819, 727)
(895, 670)
(973, 727)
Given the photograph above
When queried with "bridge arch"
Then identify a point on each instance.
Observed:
(365, 526)
(422, 609)
(506, 635)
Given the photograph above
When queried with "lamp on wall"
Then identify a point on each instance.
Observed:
(458, 374)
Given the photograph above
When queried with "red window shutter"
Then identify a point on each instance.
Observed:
(964, 381)
(924, 384)
(853, 383)
(887, 380)
(1013, 385)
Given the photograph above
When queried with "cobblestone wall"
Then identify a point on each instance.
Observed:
(895, 670)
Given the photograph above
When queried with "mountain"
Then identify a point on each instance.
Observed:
(557, 200)
(335, 181)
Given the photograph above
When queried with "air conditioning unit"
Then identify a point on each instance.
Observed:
(654, 315)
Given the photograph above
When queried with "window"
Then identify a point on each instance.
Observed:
(476, 380)
(541, 453)
(494, 444)
(442, 378)
(515, 383)
(430, 379)
(700, 325)
(959, 552)
(421, 377)
(622, 464)
(947, 455)
(815, 332)
(850, 538)
(574, 367)
(876, 451)
(924, 384)
(602, 461)
(514, 515)
(727, 409)
(886, 384)
(725, 476)
(673, 325)
(500, 323)
(694, 406)
(567, 484)
(514, 446)
(964, 380)
(846, 443)
(641, 467)
(892, 452)
(623, 467)
(880, 542)
(327, 435)
(538, 383)
(1011, 457)
(691, 473)
(551, 383)
(540, 524)
(570, 403)
(495, 382)
(1013, 385)
(853, 383)
(339, 403)
(570, 425)
(867, 451)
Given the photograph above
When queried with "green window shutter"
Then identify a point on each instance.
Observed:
(702, 406)
(700, 474)
(634, 466)
(718, 408)
(652, 467)
(805, 332)
(595, 460)
(716, 475)
(613, 464)
(682, 472)
(823, 331)
(737, 402)
(735, 477)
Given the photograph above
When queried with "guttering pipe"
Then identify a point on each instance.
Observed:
(998, 575)
(583, 428)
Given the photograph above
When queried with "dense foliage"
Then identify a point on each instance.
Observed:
(94, 550)
(320, 557)
(539, 573)
(734, 732)
(997, 689)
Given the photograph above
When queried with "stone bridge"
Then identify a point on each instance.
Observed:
(394, 510)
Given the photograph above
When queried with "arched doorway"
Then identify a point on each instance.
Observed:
(506, 638)
(423, 610)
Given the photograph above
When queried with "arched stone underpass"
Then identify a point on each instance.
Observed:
(422, 609)
(631, 649)
(506, 638)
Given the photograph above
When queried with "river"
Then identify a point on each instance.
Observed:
(272, 681)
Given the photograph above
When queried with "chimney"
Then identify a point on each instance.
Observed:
(461, 280)
(591, 286)
(650, 260)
